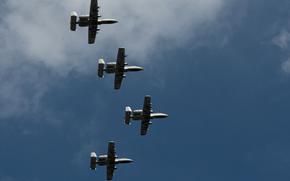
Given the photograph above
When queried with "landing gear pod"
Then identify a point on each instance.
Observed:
(93, 163)
(128, 115)
(73, 21)
(101, 67)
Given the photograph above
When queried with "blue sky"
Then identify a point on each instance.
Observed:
(224, 83)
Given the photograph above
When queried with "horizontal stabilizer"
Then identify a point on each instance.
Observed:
(93, 163)
(73, 21)
(128, 113)
(101, 67)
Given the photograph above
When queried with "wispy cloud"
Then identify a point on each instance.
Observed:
(286, 66)
(21, 89)
(35, 38)
(40, 28)
(282, 40)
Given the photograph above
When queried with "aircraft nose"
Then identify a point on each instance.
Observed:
(113, 21)
(130, 160)
(165, 115)
(134, 68)
(108, 21)
(162, 115)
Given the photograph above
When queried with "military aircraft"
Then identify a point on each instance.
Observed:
(110, 160)
(144, 115)
(91, 21)
(118, 68)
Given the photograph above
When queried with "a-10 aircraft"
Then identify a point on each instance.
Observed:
(119, 68)
(145, 115)
(91, 21)
(110, 160)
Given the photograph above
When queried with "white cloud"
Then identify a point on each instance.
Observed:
(35, 35)
(286, 66)
(40, 28)
(21, 88)
(282, 40)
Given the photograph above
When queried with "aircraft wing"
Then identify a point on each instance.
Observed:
(92, 33)
(118, 81)
(147, 109)
(94, 9)
(110, 171)
(111, 151)
(93, 26)
(120, 65)
(144, 127)
(111, 160)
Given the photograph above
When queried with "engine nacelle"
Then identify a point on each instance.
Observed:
(101, 67)
(73, 21)
(128, 115)
(93, 164)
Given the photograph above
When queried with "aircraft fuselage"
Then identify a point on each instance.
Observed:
(111, 68)
(138, 115)
(103, 160)
(85, 21)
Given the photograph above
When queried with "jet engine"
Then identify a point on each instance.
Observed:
(101, 68)
(93, 163)
(73, 21)
(128, 115)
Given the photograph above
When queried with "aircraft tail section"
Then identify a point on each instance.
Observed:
(73, 21)
(128, 115)
(93, 163)
(101, 67)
